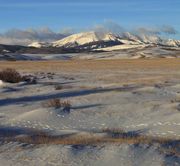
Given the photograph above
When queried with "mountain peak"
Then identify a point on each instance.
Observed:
(83, 38)
(93, 40)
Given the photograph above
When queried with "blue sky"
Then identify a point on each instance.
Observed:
(58, 14)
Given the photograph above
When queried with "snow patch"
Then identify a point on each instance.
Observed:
(121, 47)
(39, 44)
(1, 83)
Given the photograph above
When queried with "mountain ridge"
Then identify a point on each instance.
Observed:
(95, 40)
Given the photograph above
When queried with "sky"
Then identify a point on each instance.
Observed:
(67, 14)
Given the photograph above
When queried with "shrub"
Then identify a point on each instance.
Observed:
(65, 106)
(10, 75)
(58, 87)
(56, 103)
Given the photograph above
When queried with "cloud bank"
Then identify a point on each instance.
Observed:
(113, 27)
(25, 37)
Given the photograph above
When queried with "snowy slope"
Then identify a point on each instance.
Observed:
(150, 39)
(133, 38)
(40, 44)
(172, 43)
(85, 38)
(93, 40)
(79, 40)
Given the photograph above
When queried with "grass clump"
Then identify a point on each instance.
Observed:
(10, 75)
(56, 103)
(58, 87)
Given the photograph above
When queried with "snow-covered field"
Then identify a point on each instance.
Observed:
(137, 96)
(116, 52)
(124, 51)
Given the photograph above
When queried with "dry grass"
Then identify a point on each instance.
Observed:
(40, 137)
(79, 65)
(35, 137)
(145, 71)
(93, 139)
(58, 87)
(58, 104)
(89, 139)
(10, 75)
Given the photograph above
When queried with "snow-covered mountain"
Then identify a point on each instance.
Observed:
(151, 39)
(39, 44)
(131, 37)
(171, 42)
(87, 39)
(93, 40)
(77, 39)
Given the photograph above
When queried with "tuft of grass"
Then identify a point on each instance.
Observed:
(10, 75)
(165, 146)
(58, 104)
(58, 87)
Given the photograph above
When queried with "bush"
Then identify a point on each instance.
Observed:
(10, 75)
(58, 87)
(58, 104)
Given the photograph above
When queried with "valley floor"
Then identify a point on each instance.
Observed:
(141, 97)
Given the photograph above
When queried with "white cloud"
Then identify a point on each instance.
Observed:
(25, 37)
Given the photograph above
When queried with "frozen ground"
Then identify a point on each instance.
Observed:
(133, 95)
(116, 52)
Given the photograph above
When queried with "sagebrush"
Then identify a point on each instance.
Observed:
(10, 75)
(58, 104)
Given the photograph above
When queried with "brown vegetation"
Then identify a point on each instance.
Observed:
(166, 146)
(10, 75)
(58, 87)
(58, 104)
(137, 70)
